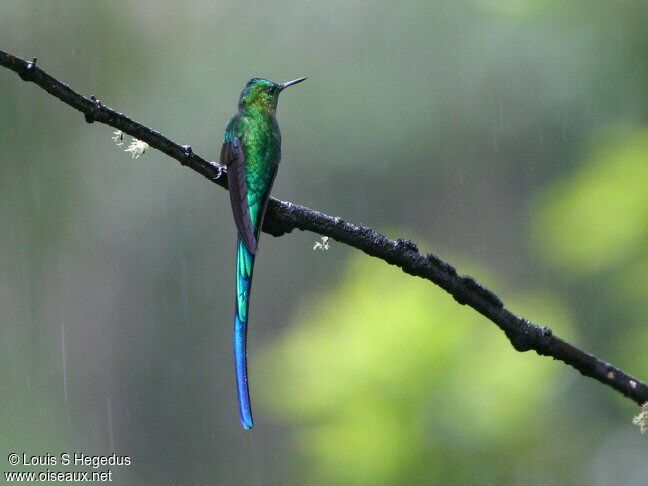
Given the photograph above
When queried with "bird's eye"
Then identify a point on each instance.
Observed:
(273, 89)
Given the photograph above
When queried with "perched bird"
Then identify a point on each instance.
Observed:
(252, 152)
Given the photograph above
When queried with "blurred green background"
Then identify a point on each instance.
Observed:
(509, 137)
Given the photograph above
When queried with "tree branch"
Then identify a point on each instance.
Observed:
(283, 217)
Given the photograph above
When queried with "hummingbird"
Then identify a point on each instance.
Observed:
(251, 152)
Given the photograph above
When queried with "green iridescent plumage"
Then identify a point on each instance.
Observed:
(252, 152)
(256, 127)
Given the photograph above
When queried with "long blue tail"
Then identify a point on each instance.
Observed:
(244, 268)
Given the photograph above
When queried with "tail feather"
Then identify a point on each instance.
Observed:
(244, 268)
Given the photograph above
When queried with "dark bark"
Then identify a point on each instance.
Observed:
(283, 217)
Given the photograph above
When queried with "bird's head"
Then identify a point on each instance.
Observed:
(263, 94)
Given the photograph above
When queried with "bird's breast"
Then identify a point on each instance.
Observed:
(262, 143)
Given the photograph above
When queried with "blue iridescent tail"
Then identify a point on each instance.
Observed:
(244, 268)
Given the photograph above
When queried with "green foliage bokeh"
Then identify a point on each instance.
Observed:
(385, 376)
(511, 134)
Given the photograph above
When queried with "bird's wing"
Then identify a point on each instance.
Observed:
(233, 158)
(266, 198)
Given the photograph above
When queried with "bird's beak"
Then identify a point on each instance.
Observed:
(290, 83)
